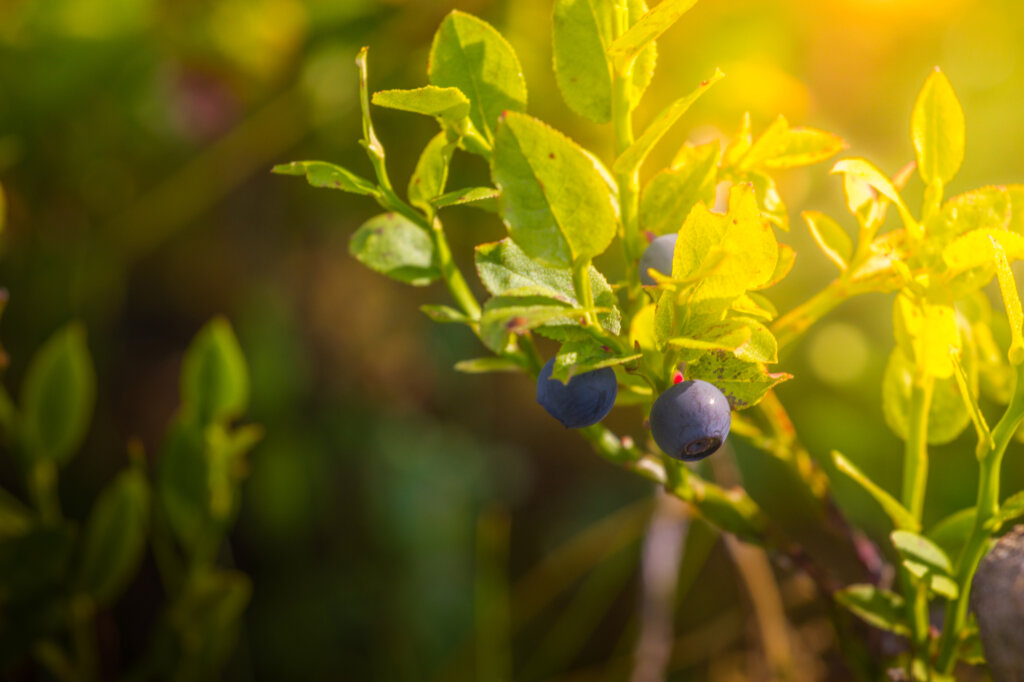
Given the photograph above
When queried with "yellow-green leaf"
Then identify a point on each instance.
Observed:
(781, 146)
(1011, 301)
(747, 239)
(448, 105)
(646, 30)
(867, 172)
(582, 32)
(938, 130)
(901, 518)
(830, 238)
(634, 156)
(947, 415)
(431, 174)
(671, 194)
(57, 397)
(469, 54)
(323, 174)
(554, 196)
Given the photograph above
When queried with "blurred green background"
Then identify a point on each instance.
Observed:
(393, 497)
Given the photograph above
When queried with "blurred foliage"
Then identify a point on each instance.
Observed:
(136, 138)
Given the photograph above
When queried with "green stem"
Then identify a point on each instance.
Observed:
(790, 326)
(457, 284)
(915, 462)
(450, 272)
(915, 478)
(987, 506)
(628, 181)
(584, 292)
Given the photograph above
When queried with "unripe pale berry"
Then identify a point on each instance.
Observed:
(584, 401)
(690, 420)
(658, 256)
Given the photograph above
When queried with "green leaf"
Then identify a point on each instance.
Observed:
(918, 548)
(830, 238)
(57, 397)
(784, 264)
(783, 147)
(928, 333)
(585, 355)
(115, 538)
(726, 335)
(503, 268)
(645, 31)
(866, 172)
(951, 533)
(15, 518)
(901, 518)
(445, 314)
(431, 175)
(555, 198)
(631, 159)
(878, 607)
(748, 241)
(207, 616)
(504, 316)
(970, 650)
(977, 248)
(747, 339)
(1012, 508)
(214, 375)
(323, 174)
(984, 208)
(937, 125)
(393, 245)
(947, 416)
(743, 383)
(448, 105)
(1011, 302)
(671, 194)
(469, 54)
(182, 483)
(969, 394)
(582, 32)
(488, 364)
(769, 201)
(484, 198)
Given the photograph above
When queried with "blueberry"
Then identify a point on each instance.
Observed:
(585, 400)
(690, 420)
(658, 256)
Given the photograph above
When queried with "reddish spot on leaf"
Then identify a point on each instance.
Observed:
(516, 324)
(606, 349)
(551, 155)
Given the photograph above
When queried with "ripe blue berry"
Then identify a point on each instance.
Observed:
(690, 420)
(658, 256)
(585, 400)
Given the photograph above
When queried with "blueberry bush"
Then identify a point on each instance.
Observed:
(686, 330)
(59, 575)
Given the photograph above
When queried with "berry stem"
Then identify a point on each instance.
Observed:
(627, 181)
